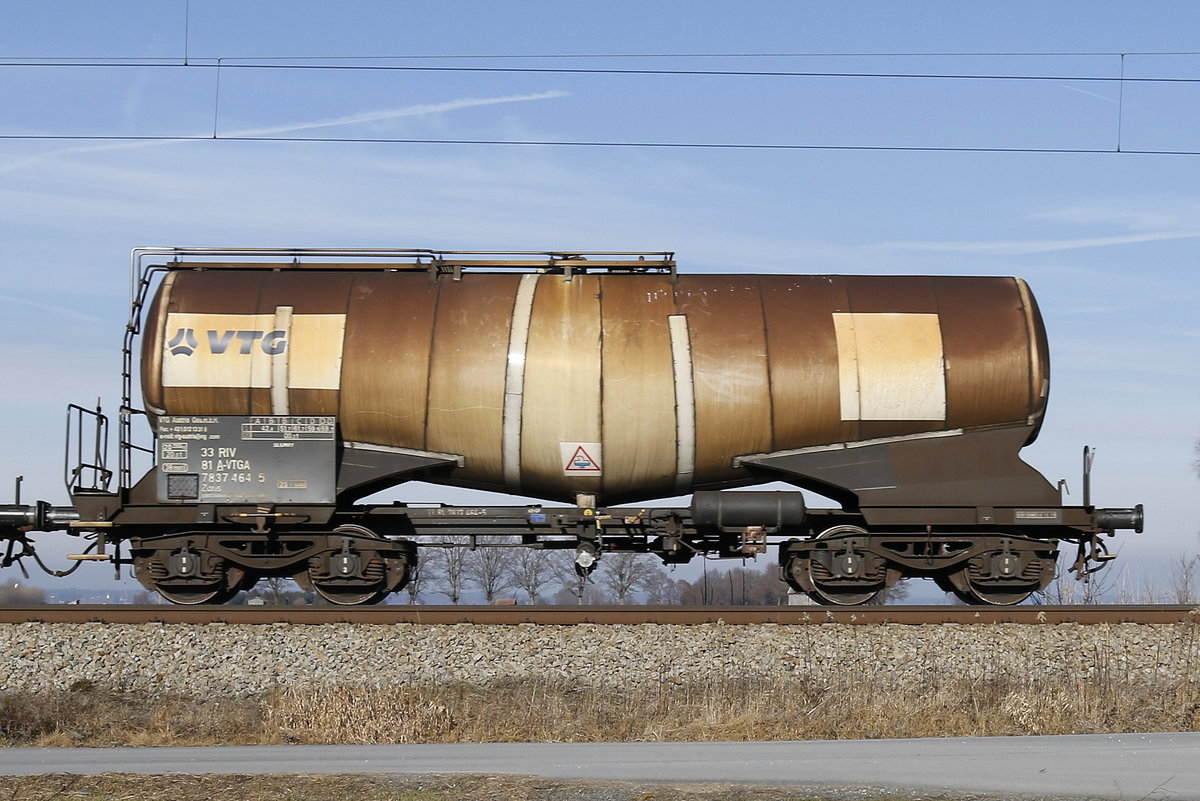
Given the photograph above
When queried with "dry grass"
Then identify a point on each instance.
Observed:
(359, 715)
(86, 715)
(544, 712)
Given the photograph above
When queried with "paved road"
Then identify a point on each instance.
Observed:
(1123, 767)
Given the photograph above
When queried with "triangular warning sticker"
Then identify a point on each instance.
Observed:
(581, 458)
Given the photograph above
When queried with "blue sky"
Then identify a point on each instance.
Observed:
(1107, 241)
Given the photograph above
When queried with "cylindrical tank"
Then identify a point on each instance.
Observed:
(621, 386)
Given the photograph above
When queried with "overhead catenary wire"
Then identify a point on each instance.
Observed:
(602, 144)
(217, 65)
(717, 55)
(224, 63)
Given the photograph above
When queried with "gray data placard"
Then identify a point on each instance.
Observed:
(254, 459)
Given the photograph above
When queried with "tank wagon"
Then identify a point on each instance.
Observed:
(282, 387)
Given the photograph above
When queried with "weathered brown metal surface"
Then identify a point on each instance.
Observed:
(987, 338)
(389, 400)
(729, 366)
(638, 412)
(561, 402)
(464, 412)
(777, 363)
(803, 359)
(574, 615)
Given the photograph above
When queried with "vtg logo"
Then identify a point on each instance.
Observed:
(184, 343)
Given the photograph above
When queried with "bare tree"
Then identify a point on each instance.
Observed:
(750, 585)
(279, 591)
(451, 565)
(622, 574)
(423, 575)
(562, 564)
(491, 570)
(532, 572)
(1184, 573)
(1129, 592)
(894, 594)
(274, 590)
(667, 592)
(592, 595)
(1067, 590)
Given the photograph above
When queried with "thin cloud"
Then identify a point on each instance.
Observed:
(424, 109)
(61, 311)
(391, 114)
(1096, 95)
(1158, 214)
(1040, 246)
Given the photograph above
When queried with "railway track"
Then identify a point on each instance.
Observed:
(573, 615)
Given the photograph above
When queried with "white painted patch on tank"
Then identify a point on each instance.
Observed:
(514, 379)
(239, 350)
(890, 366)
(279, 363)
(685, 402)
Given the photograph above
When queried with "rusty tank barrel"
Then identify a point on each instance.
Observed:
(617, 386)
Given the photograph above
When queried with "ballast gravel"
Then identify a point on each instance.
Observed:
(237, 660)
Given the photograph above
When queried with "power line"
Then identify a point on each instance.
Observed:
(517, 56)
(811, 54)
(220, 64)
(224, 64)
(604, 144)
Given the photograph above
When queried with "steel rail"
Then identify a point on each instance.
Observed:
(574, 615)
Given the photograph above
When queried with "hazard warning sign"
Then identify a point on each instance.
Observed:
(581, 458)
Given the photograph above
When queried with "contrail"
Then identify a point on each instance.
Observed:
(391, 114)
(421, 110)
(1096, 95)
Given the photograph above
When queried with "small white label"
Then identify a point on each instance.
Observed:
(1037, 514)
(173, 450)
(581, 458)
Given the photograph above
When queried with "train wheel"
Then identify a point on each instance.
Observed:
(999, 578)
(971, 591)
(841, 573)
(189, 577)
(834, 595)
(348, 596)
(992, 596)
(356, 575)
(189, 596)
